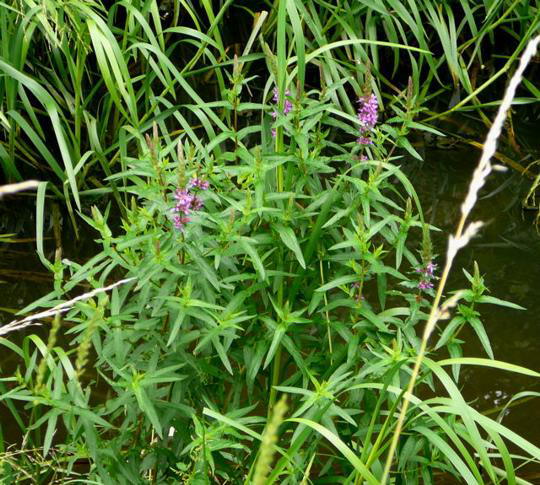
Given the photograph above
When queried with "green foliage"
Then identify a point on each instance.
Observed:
(301, 275)
(309, 291)
(81, 82)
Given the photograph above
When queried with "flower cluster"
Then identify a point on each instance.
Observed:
(356, 288)
(427, 273)
(186, 202)
(367, 114)
(287, 106)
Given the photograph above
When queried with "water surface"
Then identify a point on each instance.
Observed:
(507, 250)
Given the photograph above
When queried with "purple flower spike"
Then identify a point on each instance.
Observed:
(367, 111)
(364, 140)
(184, 200)
(180, 222)
(367, 115)
(199, 183)
(274, 133)
(425, 285)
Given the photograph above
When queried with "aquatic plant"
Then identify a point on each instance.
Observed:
(303, 276)
(294, 282)
(76, 98)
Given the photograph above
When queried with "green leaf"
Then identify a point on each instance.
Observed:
(478, 327)
(289, 238)
(247, 246)
(449, 453)
(146, 406)
(342, 447)
(342, 280)
(496, 301)
(279, 332)
(231, 422)
(496, 364)
(40, 222)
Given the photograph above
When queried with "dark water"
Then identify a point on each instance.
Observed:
(23, 278)
(507, 251)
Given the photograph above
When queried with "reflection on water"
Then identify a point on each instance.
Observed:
(23, 278)
(507, 251)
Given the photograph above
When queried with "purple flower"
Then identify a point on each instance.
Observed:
(186, 202)
(368, 115)
(274, 133)
(364, 140)
(430, 268)
(427, 274)
(276, 95)
(180, 222)
(198, 183)
(425, 285)
(287, 106)
(367, 111)
(183, 201)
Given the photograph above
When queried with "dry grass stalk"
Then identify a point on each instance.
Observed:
(18, 187)
(61, 308)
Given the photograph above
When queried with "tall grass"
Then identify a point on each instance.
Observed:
(82, 82)
(94, 80)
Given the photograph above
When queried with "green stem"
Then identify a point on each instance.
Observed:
(430, 325)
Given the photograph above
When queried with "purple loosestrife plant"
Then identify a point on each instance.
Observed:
(187, 202)
(296, 262)
(287, 107)
(368, 115)
(427, 274)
